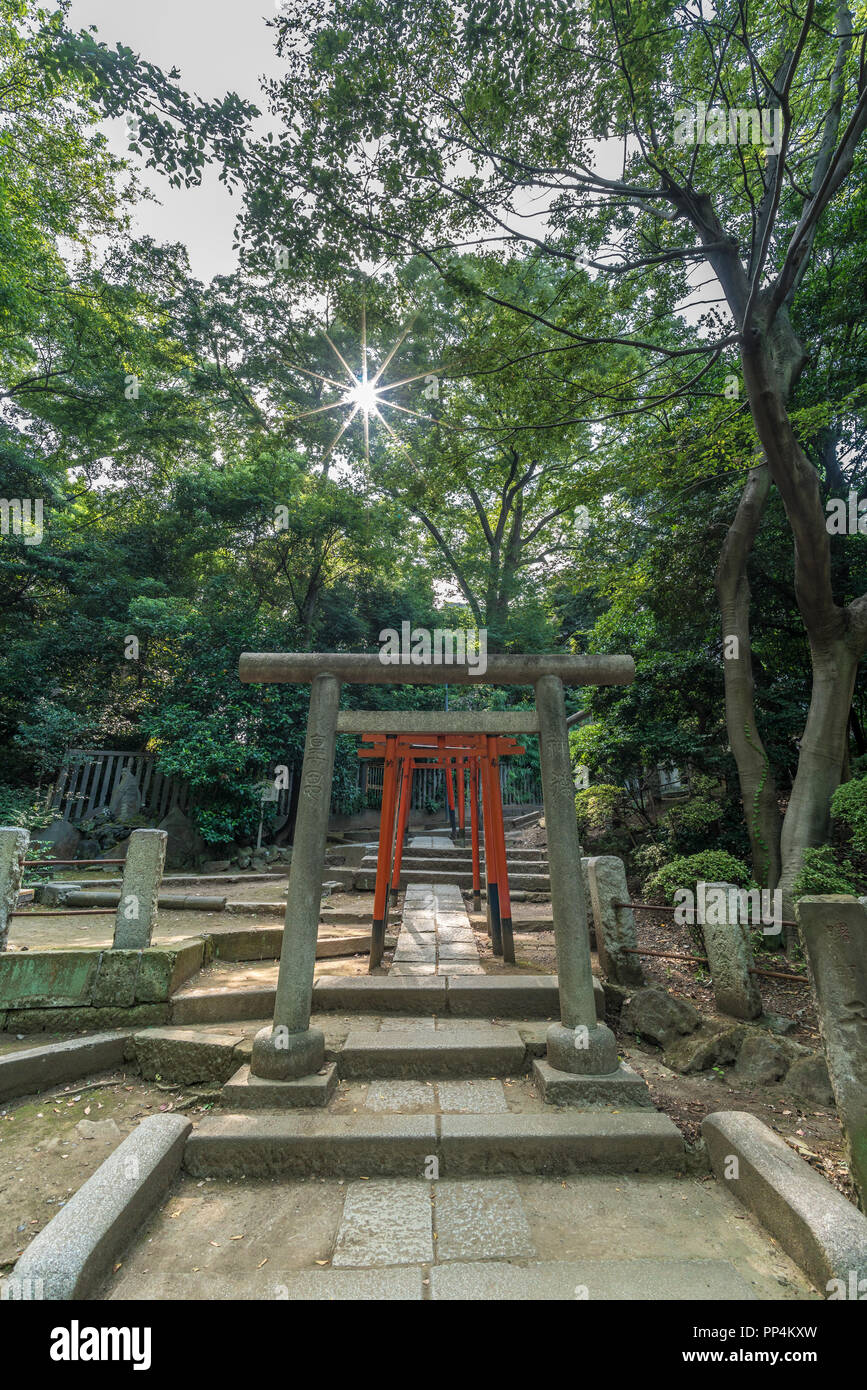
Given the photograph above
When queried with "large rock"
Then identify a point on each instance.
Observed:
(60, 840)
(807, 1080)
(126, 798)
(763, 1059)
(655, 1014)
(116, 850)
(185, 844)
(717, 1045)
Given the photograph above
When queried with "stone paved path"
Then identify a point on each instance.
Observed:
(522, 1238)
(436, 936)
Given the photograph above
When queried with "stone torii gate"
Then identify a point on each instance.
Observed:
(577, 1047)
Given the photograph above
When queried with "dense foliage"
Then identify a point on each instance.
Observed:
(570, 434)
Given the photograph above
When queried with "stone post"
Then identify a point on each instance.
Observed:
(834, 929)
(577, 1043)
(729, 952)
(291, 1048)
(615, 926)
(13, 848)
(136, 914)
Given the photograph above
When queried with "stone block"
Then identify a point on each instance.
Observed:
(53, 979)
(835, 937)
(621, 1088)
(615, 926)
(73, 1255)
(35, 1069)
(244, 1091)
(320, 1144)
(13, 849)
(116, 977)
(484, 1051)
(730, 956)
(814, 1223)
(186, 1056)
(142, 874)
(560, 1142)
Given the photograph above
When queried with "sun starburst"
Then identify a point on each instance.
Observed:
(363, 394)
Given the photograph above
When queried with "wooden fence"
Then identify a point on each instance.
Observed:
(520, 786)
(88, 777)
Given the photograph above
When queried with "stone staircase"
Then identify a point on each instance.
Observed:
(424, 1162)
(455, 866)
(413, 1045)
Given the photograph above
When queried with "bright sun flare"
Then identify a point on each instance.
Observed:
(364, 395)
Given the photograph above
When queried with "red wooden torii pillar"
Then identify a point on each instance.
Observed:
(480, 754)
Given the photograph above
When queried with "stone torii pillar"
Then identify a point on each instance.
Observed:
(578, 1045)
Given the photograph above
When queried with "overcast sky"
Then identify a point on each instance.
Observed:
(219, 46)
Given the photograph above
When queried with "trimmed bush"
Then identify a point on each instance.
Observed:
(822, 872)
(711, 866)
(849, 807)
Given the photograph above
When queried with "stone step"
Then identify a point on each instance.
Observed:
(482, 1050)
(364, 879)
(599, 1279)
(500, 1281)
(467, 996)
(317, 1143)
(463, 854)
(418, 859)
(223, 1005)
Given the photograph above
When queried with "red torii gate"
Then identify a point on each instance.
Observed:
(476, 754)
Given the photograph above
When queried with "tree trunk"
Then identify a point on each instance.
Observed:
(758, 788)
(838, 635)
(820, 760)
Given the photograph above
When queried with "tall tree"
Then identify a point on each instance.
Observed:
(410, 130)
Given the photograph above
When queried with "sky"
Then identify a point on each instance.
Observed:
(219, 46)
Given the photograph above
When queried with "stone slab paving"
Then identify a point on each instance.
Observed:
(475, 1097)
(401, 1096)
(525, 1238)
(481, 1221)
(433, 1097)
(653, 1280)
(385, 1223)
(435, 935)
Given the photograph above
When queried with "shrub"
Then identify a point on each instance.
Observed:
(595, 806)
(822, 872)
(689, 823)
(711, 866)
(648, 858)
(849, 807)
(21, 806)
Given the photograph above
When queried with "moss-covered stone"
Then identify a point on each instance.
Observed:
(52, 978)
(184, 1056)
(73, 1020)
(154, 980)
(115, 983)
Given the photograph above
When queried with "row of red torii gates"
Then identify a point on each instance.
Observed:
(471, 766)
(581, 1050)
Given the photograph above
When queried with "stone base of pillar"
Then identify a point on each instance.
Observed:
(585, 1051)
(282, 1056)
(244, 1091)
(623, 1087)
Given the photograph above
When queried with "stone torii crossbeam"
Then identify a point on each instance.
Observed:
(577, 1046)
